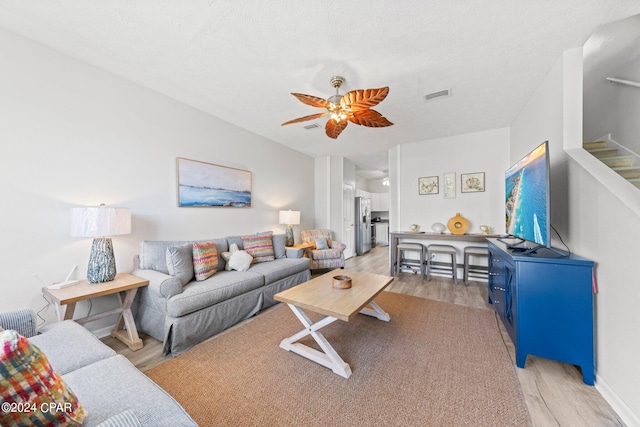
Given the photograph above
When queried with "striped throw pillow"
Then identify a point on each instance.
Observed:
(33, 393)
(259, 246)
(205, 260)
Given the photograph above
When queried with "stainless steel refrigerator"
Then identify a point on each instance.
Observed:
(363, 225)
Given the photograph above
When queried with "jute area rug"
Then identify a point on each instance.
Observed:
(433, 364)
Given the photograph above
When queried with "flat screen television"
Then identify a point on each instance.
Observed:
(527, 200)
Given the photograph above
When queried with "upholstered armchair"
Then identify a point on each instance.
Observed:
(326, 253)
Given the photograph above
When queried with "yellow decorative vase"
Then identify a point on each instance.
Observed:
(458, 224)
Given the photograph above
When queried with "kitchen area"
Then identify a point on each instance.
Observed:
(372, 220)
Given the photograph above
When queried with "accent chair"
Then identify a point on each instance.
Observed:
(326, 253)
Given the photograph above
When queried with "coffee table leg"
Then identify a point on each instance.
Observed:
(376, 311)
(330, 358)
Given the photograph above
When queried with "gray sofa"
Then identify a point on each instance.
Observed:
(184, 314)
(112, 391)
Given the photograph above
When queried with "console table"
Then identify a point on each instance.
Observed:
(545, 302)
(395, 236)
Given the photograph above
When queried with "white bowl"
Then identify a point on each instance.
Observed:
(438, 228)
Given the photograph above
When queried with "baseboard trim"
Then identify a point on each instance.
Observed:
(624, 412)
(103, 332)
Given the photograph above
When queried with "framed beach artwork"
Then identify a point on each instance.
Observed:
(449, 179)
(203, 184)
(428, 185)
(472, 182)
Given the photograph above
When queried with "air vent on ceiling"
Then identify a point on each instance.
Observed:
(311, 126)
(438, 94)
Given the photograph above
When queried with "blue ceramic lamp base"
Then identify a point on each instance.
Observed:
(102, 262)
(288, 236)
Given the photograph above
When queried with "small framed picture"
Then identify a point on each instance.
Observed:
(449, 180)
(472, 182)
(428, 185)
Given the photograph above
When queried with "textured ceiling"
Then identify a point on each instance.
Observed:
(239, 60)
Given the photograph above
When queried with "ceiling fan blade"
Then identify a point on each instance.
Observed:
(314, 101)
(370, 118)
(362, 99)
(305, 118)
(334, 129)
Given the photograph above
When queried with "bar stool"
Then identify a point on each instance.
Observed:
(408, 246)
(474, 269)
(451, 267)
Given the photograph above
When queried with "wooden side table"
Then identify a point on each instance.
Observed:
(124, 285)
(306, 248)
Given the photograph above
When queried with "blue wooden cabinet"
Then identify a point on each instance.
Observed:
(545, 302)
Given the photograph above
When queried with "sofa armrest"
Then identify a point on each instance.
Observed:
(161, 284)
(294, 252)
(22, 320)
(337, 245)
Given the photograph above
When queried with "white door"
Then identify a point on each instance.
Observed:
(348, 230)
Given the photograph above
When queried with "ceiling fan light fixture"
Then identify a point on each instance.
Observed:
(335, 99)
(354, 106)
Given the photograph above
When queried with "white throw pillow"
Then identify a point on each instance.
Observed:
(240, 261)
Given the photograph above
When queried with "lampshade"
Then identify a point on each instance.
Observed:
(100, 221)
(289, 217)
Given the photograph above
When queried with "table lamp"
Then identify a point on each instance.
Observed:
(289, 218)
(100, 222)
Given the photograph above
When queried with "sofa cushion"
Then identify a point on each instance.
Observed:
(180, 262)
(153, 253)
(126, 418)
(326, 254)
(259, 246)
(27, 379)
(279, 249)
(70, 346)
(238, 239)
(113, 385)
(219, 287)
(205, 260)
(234, 239)
(280, 268)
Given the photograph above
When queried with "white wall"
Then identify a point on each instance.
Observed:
(477, 152)
(331, 173)
(595, 224)
(613, 51)
(74, 135)
(485, 151)
(613, 108)
(542, 120)
(627, 125)
(322, 173)
(375, 186)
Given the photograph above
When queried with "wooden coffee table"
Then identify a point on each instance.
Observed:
(319, 296)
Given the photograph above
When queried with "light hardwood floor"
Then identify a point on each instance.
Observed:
(554, 392)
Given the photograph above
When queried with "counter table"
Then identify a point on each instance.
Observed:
(395, 236)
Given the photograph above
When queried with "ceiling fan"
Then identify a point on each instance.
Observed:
(354, 107)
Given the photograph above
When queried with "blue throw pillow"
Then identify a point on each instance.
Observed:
(321, 244)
